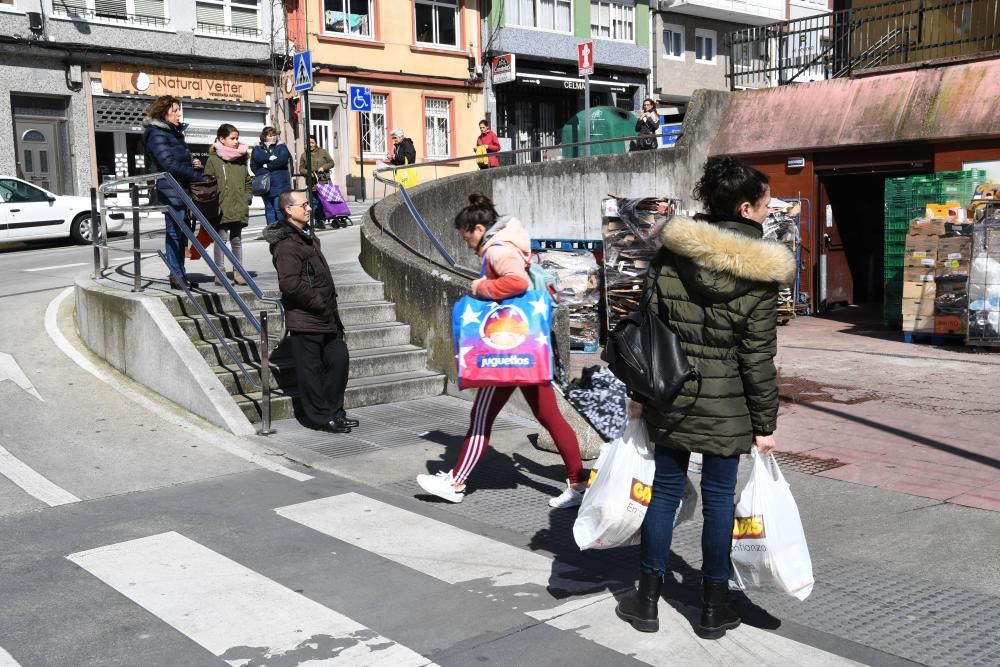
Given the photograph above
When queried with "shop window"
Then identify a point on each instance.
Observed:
(352, 18)
(437, 127)
(556, 15)
(437, 22)
(373, 128)
(150, 12)
(673, 41)
(611, 21)
(232, 17)
(704, 46)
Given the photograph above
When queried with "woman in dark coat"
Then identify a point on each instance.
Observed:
(716, 284)
(167, 151)
(271, 157)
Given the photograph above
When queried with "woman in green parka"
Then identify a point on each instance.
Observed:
(717, 284)
(227, 162)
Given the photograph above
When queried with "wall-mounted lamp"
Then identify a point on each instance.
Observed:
(475, 71)
(795, 162)
(74, 76)
(35, 24)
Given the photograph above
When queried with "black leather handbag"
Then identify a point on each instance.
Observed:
(645, 354)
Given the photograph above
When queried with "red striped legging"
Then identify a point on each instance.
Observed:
(542, 400)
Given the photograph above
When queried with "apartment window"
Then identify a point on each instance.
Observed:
(234, 17)
(437, 22)
(749, 55)
(373, 128)
(353, 18)
(673, 41)
(131, 11)
(437, 127)
(7, 2)
(704, 45)
(556, 15)
(611, 21)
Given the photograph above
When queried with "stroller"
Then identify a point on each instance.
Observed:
(334, 206)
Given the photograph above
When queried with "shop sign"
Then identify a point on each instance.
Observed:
(504, 68)
(156, 81)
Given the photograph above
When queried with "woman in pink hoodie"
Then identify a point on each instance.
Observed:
(506, 248)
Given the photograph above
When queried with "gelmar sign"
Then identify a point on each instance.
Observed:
(504, 68)
(155, 81)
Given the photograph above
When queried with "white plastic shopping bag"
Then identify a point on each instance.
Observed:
(618, 492)
(769, 546)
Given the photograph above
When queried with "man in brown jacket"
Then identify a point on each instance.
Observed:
(311, 316)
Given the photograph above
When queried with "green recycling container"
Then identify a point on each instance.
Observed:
(605, 123)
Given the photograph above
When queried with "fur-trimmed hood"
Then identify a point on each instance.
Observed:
(723, 258)
(164, 125)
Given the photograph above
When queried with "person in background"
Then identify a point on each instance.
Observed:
(489, 139)
(272, 157)
(403, 151)
(717, 285)
(505, 248)
(227, 162)
(647, 125)
(167, 151)
(322, 167)
(311, 316)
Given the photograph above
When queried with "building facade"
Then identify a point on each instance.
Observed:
(76, 77)
(418, 57)
(529, 102)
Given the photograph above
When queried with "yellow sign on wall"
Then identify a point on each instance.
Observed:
(154, 81)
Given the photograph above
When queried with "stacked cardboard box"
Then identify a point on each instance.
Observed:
(954, 256)
(919, 272)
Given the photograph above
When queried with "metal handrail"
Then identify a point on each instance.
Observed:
(452, 264)
(134, 184)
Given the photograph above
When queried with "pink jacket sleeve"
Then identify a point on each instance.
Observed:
(506, 274)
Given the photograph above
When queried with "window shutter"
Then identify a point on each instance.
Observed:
(211, 14)
(69, 6)
(151, 8)
(110, 8)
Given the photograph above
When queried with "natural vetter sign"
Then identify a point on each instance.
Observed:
(181, 83)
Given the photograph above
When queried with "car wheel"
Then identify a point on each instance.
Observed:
(80, 230)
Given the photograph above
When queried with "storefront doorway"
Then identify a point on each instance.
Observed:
(40, 141)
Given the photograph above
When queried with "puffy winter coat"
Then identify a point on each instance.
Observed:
(234, 187)
(492, 143)
(307, 288)
(167, 151)
(274, 159)
(506, 251)
(320, 161)
(717, 285)
(405, 153)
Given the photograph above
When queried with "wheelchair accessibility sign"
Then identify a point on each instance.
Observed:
(360, 98)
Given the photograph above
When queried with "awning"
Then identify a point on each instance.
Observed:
(572, 83)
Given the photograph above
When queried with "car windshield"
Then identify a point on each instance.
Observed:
(18, 192)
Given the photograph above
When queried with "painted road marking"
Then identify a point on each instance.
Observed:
(7, 660)
(10, 370)
(33, 483)
(223, 441)
(535, 584)
(60, 266)
(233, 612)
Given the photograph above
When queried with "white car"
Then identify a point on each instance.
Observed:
(29, 213)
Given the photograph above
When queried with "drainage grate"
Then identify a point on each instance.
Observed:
(804, 463)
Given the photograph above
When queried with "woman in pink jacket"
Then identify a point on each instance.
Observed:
(506, 248)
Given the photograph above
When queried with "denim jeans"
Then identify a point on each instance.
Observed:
(272, 212)
(176, 241)
(718, 489)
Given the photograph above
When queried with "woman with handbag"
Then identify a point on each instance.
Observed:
(716, 286)
(505, 248)
(269, 161)
(647, 125)
(227, 162)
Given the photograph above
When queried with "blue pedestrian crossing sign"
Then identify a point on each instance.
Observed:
(302, 71)
(361, 98)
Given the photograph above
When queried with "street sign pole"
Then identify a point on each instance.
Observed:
(309, 176)
(302, 83)
(360, 100)
(585, 66)
(361, 157)
(586, 113)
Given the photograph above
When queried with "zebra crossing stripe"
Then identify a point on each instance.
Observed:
(235, 613)
(7, 660)
(534, 584)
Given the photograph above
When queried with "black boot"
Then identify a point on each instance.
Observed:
(716, 614)
(640, 607)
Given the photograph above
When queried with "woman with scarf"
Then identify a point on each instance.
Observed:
(227, 162)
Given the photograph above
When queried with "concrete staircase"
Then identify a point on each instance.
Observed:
(385, 367)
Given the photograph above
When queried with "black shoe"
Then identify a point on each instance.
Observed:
(320, 224)
(716, 614)
(337, 426)
(175, 284)
(640, 606)
(348, 421)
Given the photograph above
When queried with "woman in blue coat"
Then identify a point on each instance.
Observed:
(271, 157)
(167, 151)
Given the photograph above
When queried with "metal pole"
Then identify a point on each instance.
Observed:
(361, 157)
(265, 379)
(586, 113)
(103, 227)
(133, 191)
(309, 178)
(95, 225)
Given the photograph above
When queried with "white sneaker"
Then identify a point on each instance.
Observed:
(570, 497)
(441, 485)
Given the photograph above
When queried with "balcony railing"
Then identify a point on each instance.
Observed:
(110, 17)
(853, 41)
(228, 30)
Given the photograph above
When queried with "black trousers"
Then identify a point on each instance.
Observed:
(321, 365)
